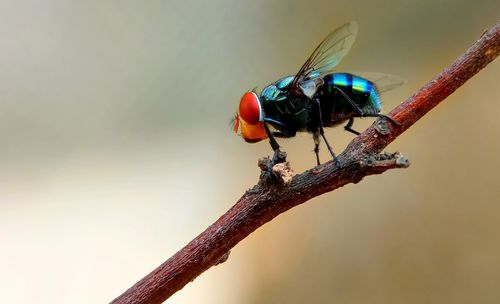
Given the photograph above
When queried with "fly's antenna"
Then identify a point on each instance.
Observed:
(234, 123)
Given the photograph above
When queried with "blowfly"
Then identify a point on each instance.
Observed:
(315, 98)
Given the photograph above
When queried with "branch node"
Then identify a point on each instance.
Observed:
(382, 127)
(223, 258)
(402, 162)
(285, 173)
(278, 174)
(386, 160)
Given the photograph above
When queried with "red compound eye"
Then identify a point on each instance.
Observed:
(250, 108)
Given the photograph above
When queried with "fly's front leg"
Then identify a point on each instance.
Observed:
(322, 132)
(279, 156)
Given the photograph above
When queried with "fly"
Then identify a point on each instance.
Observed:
(315, 98)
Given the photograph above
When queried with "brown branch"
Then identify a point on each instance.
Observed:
(277, 191)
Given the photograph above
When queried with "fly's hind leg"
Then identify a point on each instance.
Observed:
(348, 127)
(355, 107)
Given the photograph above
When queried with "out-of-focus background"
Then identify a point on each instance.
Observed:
(116, 150)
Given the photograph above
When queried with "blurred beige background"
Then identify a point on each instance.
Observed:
(116, 151)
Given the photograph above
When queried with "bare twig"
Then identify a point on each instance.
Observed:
(278, 190)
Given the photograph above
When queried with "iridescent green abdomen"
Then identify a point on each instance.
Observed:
(338, 88)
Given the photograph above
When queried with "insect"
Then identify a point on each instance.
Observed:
(314, 98)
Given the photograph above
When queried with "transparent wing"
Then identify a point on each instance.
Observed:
(383, 82)
(328, 53)
(333, 48)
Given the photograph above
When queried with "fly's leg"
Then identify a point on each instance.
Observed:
(348, 127)
(284, 131)
(351, 102)
(322, 132)
(360, 112)
(316, 146)
(279, 156)
(275, 123)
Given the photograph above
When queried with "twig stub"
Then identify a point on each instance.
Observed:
(277, 174)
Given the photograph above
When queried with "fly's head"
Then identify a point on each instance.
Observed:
(249, 120)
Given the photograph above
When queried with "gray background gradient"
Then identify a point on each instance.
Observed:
(116, 150)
